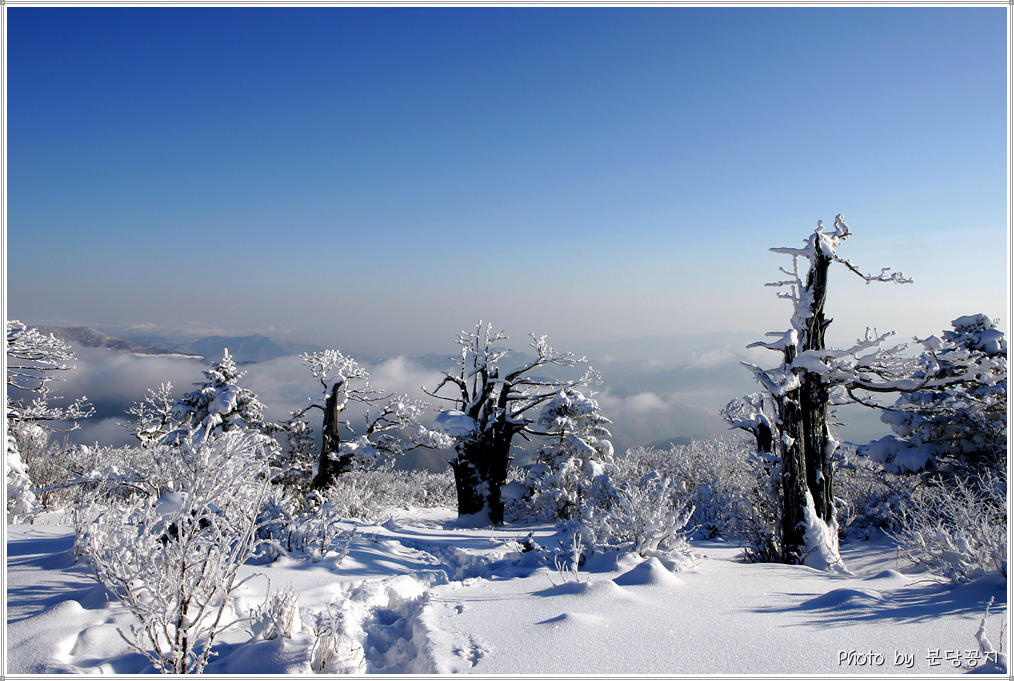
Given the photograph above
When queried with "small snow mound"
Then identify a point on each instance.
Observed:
(609, 589)
(280, 655)
(887, 574)
(844, 599)
(650, 572)
(563, 586)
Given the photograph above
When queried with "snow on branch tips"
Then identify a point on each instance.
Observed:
(34, 361)
(345, 447)
(490, 407)
(809, 381)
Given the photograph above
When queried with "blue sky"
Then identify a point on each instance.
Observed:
(384, 177)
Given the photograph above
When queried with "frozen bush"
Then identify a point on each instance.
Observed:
(758, 513)
(368, 494)
(357, 494)
(573, 456)
(173, 560)
(869, 498)
(518, 507)
(21, 499)
(955, 423)
(649, 518)
(313, 526)
(957, 530)
(715, 473)
(315, 531)
(279, 616)
(331, 651)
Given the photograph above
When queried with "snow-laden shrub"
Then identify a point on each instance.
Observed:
(758, 515)
(312, 526)
(957, 529)
(67, 476)
(355, 494)
(278, 617)
(649, 518)
(53, 467)
(516, 496)
(173, 560)
(869, 498)
(50, 464)
(315, 531)
(21, 499)
(560, 488)
(331, 652)
(293, 465)
(369, 494)
(713, 471)
(574, 455)
(956, 421)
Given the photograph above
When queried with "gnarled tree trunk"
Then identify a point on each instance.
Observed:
(331, 464)
(807, 473)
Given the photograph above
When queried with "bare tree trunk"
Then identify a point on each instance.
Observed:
(330, 465)
(468, 480)
(479, 471)
(805, 450)
(499, 462)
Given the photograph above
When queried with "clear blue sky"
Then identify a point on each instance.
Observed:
(384, 177)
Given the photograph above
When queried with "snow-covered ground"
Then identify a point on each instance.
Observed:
(424, 593)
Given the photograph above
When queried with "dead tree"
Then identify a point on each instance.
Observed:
(491, 410)
(802, 389)
(345, 383)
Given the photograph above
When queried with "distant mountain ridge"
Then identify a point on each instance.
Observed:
(92, 338)
(243, 349)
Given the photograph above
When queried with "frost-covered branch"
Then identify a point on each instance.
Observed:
(34, 361)
(344, 382)
(490, 409)
(153, 416)
(801, 390)
(174, 561)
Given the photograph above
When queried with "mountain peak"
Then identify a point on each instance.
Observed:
(92, 338)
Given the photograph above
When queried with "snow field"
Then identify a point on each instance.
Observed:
(425, 593)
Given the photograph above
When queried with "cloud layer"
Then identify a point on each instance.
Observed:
(647, 400)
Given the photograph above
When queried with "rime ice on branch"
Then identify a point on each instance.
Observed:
(34, 361)
(955, 422)
(809, 380)
(344, 382)
(491, 408)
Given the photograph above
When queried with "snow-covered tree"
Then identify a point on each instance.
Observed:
(154, 416)
(345, 383)
(955, 428)
(295, 463)
(34, 362)
(173, 560)
(219, 404)
(802, 389)
(574, 453)
(491, 408)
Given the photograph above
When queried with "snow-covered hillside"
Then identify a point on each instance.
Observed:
(424, 593)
